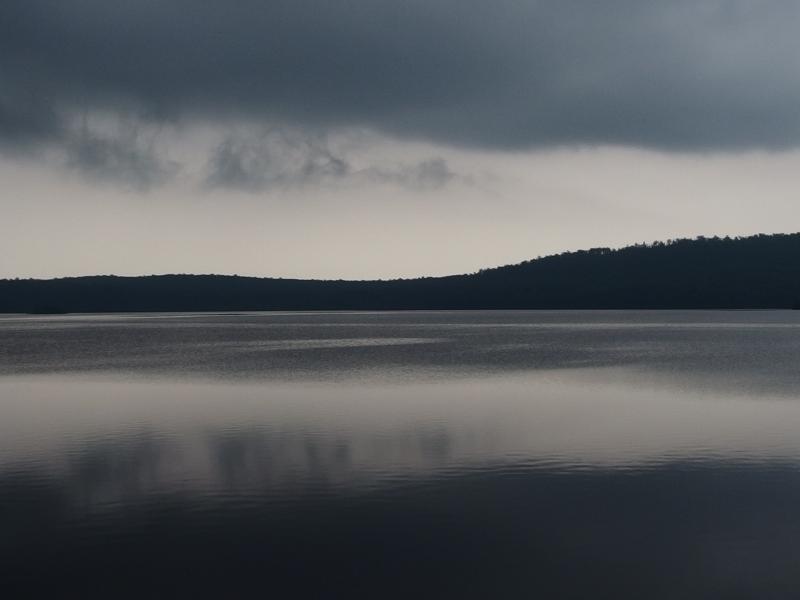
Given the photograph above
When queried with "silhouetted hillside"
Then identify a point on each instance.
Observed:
(761, 271)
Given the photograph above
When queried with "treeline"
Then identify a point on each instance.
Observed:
(761, 271)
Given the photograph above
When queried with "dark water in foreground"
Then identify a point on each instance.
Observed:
(454, 455)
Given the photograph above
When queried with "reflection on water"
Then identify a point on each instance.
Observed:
(608, 454)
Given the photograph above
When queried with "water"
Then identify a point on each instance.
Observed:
(450, 454)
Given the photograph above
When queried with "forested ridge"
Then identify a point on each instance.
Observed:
(760, 271)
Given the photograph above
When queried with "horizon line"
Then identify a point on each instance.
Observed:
(647, 244)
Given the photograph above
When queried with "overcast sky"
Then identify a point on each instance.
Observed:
(377, 138)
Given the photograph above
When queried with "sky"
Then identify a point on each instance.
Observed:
(380, 139)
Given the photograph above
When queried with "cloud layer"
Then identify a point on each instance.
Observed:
(682, 75)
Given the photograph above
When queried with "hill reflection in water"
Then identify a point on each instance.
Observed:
(651, 454)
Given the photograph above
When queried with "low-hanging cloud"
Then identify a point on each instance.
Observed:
(284, 158)
(127, 158)
(429, 174)
(681, 75)
(275, 159)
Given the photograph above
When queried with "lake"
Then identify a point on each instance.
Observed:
(608, 454)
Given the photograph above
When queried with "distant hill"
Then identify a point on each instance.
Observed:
(761, 271)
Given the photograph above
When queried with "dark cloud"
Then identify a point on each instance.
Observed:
(128, 157)
(273, 159)
(682, 74)
(25, 119)
(285, 158)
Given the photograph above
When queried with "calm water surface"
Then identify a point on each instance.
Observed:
(436, 454)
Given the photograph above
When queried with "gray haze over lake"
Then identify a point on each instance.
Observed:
(459, 454)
